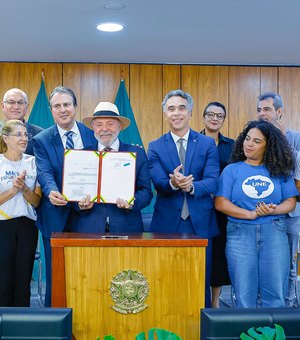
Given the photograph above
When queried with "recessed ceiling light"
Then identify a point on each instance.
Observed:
(114, 5)
(110, 27)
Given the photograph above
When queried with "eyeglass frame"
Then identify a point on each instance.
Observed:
(213, 115)
(15, 102)
(19, 135)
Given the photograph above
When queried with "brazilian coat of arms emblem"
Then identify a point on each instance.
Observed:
(129, 290)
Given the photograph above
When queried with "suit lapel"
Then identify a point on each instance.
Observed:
(191, 147)
(58, 145)
(172, 150)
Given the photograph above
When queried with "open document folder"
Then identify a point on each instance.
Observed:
(104, 176)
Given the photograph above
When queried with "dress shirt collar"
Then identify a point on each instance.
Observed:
(62, 132)
(115, 145)
(176, 138)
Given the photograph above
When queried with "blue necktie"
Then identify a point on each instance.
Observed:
(69, 142)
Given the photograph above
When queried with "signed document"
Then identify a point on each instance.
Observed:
(104, 176)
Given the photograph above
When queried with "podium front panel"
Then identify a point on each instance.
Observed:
(176, 278)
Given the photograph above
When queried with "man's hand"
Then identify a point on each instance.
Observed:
(85, 203)
(181, 181)
(56, 198)
(123, 204)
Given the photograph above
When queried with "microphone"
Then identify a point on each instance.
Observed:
(107, 224)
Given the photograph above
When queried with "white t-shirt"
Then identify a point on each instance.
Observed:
(17, 206)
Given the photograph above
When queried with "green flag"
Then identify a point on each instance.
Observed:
(130, 135)
(40, 114)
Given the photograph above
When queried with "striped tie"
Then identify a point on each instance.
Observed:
(69, 142)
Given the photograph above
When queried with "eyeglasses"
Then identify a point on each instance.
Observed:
(59, 106)
(14, 102)
(211, 115)
(21, 135)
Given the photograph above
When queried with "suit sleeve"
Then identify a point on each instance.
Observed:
(159, 175)
(208, 184)
(45, 170)
(143, 192)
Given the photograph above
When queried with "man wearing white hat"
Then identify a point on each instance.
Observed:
(121, 217)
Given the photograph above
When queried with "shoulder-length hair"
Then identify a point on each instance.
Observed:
(278, 157)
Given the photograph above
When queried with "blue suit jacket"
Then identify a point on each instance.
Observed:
(49, 153)
(202, 161)
(120, 220)
(33, 130)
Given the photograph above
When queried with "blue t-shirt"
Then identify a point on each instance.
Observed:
(245, 185)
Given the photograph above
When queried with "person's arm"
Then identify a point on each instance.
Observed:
(211, 172)
(8, 194)
(297, 183)
(32, 196)
(143, 191)
(46, 176)
(158, 170)
(228, 208)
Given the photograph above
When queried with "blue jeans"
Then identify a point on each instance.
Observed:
(293, 229)
(258, 263)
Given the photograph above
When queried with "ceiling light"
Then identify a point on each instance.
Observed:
(114, 5)
(110, 27)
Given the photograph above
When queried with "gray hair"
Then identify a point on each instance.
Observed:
(66, 90)
(278, 103)
(15, 90)
(178, 93)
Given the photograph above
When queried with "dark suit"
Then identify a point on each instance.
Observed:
(202, 161)
(49, 152)
(33, 130)
(120, 220)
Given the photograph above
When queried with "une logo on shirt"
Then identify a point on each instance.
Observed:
(258, 186)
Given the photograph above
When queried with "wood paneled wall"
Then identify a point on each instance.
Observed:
(236, 86)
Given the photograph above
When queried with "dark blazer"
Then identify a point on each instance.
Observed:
(33, 130)
(202, 161)
(49, 152)
(120, 220)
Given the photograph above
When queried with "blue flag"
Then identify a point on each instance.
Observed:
(131, 135)
(40, 114)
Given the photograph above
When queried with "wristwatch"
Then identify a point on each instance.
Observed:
(191, 189)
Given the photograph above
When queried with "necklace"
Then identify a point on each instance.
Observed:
(16, 164)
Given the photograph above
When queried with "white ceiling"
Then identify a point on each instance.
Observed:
(231, 32)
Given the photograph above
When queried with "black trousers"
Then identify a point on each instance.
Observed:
(18, 241)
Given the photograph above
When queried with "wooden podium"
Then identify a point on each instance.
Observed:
(85, 265)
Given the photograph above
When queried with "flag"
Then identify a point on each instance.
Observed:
(40, 114)
(131, 135)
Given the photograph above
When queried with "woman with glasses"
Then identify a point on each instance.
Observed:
(213, 117)
(20, 194)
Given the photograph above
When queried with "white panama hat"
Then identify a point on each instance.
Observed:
(106, 110)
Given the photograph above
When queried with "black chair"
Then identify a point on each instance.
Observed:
(35, 323)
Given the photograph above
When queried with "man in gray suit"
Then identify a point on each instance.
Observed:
(15, 106)
(270, 108)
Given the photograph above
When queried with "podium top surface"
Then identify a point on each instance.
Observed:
(126, 240)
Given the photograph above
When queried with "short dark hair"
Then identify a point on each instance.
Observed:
(215, 104)
(63, 89)
(278, 102)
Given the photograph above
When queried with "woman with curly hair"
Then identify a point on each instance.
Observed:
(256, 191)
